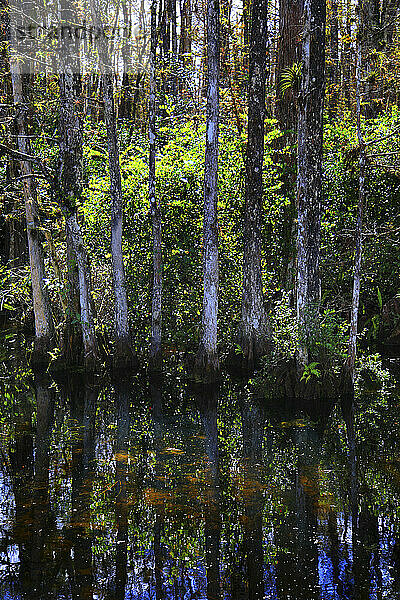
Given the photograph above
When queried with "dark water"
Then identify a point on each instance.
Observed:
(148, 490)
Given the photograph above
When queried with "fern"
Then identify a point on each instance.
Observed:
(290, 78)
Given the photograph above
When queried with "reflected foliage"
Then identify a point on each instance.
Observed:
(148, 489)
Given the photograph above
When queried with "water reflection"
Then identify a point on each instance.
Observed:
(207, 402)
(82, 399)
(122, 395)
(143, 489)
(253, 420)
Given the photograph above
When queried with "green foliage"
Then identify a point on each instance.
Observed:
(180, 171)
(283, 324)
(15, 294)
(311, 371)
(290, 78)
(381, 254)
(179, 187)
(373, 375)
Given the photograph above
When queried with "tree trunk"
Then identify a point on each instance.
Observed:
(352, 348)
(185, 40)
(334, 50)
(125, 102)
(72, 343)
(289, 53)
(13, 236)
(70, 190)
(44, 328)
(207, 364)
(174, 32)
(253, 334)
(371, 40)
(309, 178)
(156, 307)
(123, 350)
(347, 56)
(225, 36)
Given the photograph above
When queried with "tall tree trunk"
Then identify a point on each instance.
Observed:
(347, 55)
(309, 178)
(44, 328)
(156, 307)
(334, 50)
(225, 36)
(123, 350)
(125, 102)
(185, 40)
(289, 53)
(246, 35)
(207, 364)
(372, 40)
(352, 348)
(288, 58)
(70, 191)
(253, 335)
(13, 237)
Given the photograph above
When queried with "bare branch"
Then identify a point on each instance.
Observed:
(48, 174)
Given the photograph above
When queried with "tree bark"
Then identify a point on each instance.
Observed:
(207, 364)
(185, 40)
(334, 50)
(347, 56)
(289, 53)
(309, 178)
(372, 40)
(125, 103)
(225, 36)
(156, 307)
(352, 348)
(13, 236)
(286, 111)
(123, 348)
(253, 334)
(44, 327)
(70, 192)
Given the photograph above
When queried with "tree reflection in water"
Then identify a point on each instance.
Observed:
(83, 409)
(146, 490)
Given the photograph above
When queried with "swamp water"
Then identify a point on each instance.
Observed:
(147, 490)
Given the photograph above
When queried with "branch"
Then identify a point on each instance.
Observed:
(14, 179)
(385, 137)
(48, 174)
(395, 168)
(394, 153)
